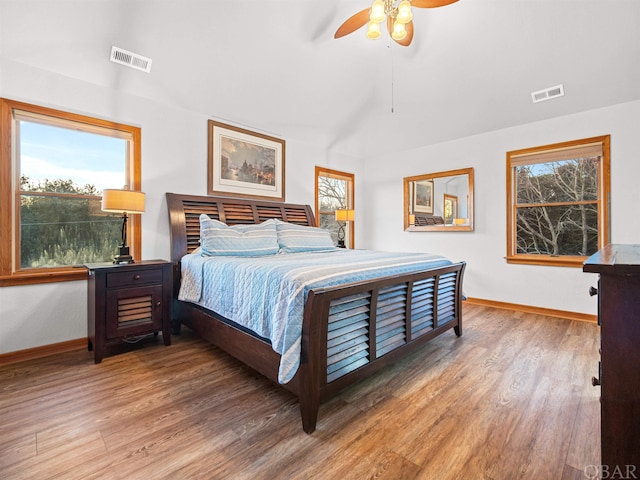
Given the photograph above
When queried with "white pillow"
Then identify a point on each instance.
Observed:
(217, 238)
(294, 238)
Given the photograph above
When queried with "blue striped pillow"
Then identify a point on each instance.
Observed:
(299, 238)
(217, 238)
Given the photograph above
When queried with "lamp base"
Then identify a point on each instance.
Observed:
(123, 255)
(340, 243)
(121, 259)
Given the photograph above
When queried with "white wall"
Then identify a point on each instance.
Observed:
(488, 276)
(454, 186)
(174, 159)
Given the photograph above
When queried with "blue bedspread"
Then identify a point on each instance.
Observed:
(268, 294)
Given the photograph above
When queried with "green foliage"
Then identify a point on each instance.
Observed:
(57, 186)
(63, 230)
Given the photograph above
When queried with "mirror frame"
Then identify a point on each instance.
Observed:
(438, 228)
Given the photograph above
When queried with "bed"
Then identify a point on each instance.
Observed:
(348, 330)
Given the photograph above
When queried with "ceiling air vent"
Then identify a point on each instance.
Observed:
(547, 94)
(130, 59)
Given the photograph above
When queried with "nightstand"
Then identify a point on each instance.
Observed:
(128, 300)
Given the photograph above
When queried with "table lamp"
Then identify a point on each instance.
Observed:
(341, 217)
(123, 201)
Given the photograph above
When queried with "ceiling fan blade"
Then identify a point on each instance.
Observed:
(406, 41)
(353, 23)
(431, 3)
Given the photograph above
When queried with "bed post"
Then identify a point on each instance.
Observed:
(314, 333)
(458, 328)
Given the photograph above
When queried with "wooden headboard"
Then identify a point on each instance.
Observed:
(185, 210)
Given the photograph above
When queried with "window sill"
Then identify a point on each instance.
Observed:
(44, 276)
(547, 260)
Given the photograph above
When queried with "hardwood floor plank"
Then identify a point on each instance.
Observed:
(16, 449)
(392, 466)
(511, 398)
(585, 436)
(438, 428)
(57, 461)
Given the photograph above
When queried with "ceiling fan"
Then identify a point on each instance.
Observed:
(397, 13)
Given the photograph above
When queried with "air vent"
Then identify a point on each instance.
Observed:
(130, 59)
(547, 94)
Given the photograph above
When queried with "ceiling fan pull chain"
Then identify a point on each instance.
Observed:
(392, 76)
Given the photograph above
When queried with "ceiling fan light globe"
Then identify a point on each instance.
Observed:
(373, 30)
(377, 13)
(404, 14)
(399, 31)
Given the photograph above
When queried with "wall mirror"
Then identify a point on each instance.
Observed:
(441, 201)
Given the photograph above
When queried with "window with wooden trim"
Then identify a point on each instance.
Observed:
(53, 168)
(334, 191)
(558, 202)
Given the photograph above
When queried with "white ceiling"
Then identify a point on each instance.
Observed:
(274, 66)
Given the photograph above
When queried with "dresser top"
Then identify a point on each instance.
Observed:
(616, 259)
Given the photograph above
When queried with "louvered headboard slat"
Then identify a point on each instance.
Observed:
(185, 211)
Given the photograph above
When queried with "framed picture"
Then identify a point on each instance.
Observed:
(450, 208)
(423, 196)
(243, 163)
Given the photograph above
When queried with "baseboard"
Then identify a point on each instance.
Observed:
(43, 351)
(80, 343)
(549, 312)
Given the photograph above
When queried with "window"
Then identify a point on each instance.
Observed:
(558, 202)
(53, 168)
(334, 191)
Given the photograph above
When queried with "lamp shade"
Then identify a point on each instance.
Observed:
(373, 30)
(121, 201)
(345, 215)
(399, 31)
(404, 14)
(377, 13)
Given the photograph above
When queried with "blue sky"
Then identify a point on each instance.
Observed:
(61, 153)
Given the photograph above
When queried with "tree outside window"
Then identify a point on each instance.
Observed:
(62, 162)
(334, 191)
(558, 202)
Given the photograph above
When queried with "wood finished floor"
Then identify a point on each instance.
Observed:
(510, 399)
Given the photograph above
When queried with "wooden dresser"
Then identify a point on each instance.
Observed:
(618, 293)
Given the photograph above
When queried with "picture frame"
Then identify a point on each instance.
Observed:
(423, 196)
(450, 208)
(242, 163)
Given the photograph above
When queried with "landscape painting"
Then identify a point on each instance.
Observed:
(423, 196)
(245, 163)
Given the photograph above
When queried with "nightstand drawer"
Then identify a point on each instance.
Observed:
(134, 278)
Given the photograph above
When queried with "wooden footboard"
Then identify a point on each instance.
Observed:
(348, 332)
(353, 330)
